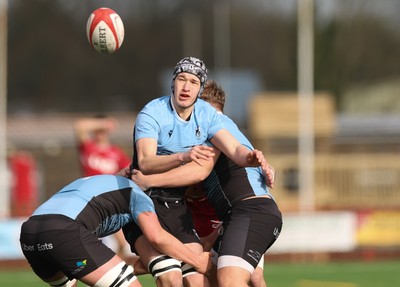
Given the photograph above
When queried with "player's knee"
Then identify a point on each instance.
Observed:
(170, 279)
(63, 282)
(188, 270)
(166, 269)
(195, 280)
(257, 278)
(232, 277)
(121, 275)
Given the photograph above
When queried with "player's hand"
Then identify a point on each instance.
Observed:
(139, 268)
(140, 179)
(126, 172)
(208, 241)
(255, 158)
(269, 174)
(198, 153)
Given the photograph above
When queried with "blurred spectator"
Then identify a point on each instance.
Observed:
(23, 183)
(98, 155)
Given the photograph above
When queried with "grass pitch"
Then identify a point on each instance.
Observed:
(346, 274)
(349, 274)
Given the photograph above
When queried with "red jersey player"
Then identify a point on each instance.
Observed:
(96, 152)
(205, 220)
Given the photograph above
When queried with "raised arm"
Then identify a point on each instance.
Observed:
(84, 127)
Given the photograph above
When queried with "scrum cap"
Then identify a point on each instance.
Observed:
(193, 66)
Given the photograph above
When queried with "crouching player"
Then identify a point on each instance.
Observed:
(60, 239)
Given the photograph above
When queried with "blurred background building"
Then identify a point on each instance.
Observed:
(251, 48)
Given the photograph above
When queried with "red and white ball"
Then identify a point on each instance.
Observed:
(105, 30)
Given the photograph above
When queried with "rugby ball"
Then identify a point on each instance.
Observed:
(105, 30)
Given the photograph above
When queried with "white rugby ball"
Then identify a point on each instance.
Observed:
(105, 30)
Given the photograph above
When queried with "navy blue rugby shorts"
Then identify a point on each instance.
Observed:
(53, 243)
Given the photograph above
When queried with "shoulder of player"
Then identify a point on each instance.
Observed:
(227, 119)
(156, 107)
(203, 103)
(158, 102)
(204, 107)
(103, 182)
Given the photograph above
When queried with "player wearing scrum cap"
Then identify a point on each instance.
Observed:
(171, 131)
(239, 197)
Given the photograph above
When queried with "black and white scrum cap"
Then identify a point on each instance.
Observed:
(193, 66)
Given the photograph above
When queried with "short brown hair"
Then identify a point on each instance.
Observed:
(214, 94)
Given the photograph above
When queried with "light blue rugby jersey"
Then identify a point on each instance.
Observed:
(73, 198)
(159, 120)
(254, 174)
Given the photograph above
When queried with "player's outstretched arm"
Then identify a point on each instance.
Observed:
(84, 127)
(169, 245)
(241, 155)
(237, 152)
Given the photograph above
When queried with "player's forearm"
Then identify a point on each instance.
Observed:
(241, 157)
(233, 149)
(187, 174)
(172, 247)
(167, 244)
(160, 163)
(239, 154)
(209, 240)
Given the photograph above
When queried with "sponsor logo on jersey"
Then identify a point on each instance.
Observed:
(81, 265)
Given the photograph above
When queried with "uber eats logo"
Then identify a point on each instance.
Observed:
(39, 247)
